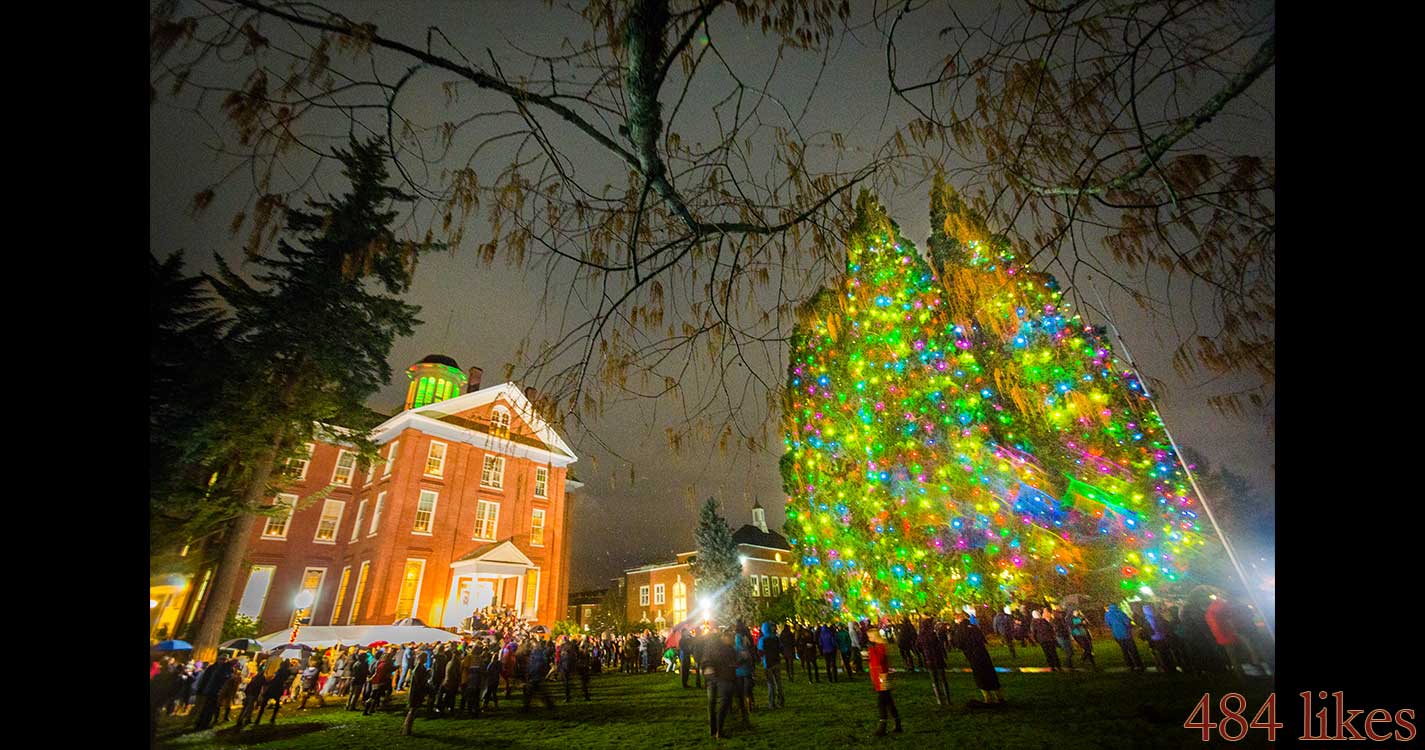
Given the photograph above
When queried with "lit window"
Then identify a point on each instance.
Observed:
(756, 590)
(254, 595)
(311, 584)
(766, 587)
(410, 588)
(425, 392)
(541, 482)
(331, 519)
(360, 513)
(493, 475)
(786, 584)
(276, 527)
(531, 592)
(435, 460)
(425, 512)
(659, 596)
(643, 596)
(376, 514)
(340, 594)
(500, 422)
(680, 600)
(487, 514)
(776, 586)
(536, 528)
(391, 457)
(360, 588)
(297, 465)
(345, 468)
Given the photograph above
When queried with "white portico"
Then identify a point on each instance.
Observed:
(496, 573)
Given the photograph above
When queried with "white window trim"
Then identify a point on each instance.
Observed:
(390, 458)
(360, 516)
(351, 480)
(376, 515)
(660, 595)
(336, 529)
(345, 573)
(500, 479)
(444, 454)
(356, 598)
(307, 464)
(544, 469)
(433, 505)
(265, 591)
(286, 528)
(495, 524)
(370, 475)
(539, 512)
(316, 595)
(643, 596)
(420, 580)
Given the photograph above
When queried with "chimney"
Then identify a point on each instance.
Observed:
(529, 393)
(473, 383)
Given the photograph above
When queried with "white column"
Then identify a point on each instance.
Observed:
(519, 596)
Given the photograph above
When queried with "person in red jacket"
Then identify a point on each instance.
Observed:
(880, 682)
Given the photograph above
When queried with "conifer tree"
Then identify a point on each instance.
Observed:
(311, 336)
(717, 569)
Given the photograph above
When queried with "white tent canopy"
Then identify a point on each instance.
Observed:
(322, 636)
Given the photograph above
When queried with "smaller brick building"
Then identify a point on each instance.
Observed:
(664, 594)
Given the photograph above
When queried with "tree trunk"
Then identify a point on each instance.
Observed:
(229, 570)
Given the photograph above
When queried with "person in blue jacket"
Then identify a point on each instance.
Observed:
(1121, 627)
(771, 648)
(827, 640)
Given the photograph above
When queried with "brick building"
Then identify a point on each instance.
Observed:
(665, 593)
(467, 505)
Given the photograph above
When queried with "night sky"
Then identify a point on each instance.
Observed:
(641, 510)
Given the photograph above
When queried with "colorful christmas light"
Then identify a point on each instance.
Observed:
(956, 434)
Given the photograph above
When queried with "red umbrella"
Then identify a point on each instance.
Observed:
(375, 644)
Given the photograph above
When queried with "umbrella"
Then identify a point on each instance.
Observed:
(539, 629)
(410, 621)
(172, 646)
(377, 644)
(244, 644)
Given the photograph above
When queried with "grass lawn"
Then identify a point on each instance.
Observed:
(1060, 711)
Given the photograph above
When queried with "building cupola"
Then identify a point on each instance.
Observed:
(434, 378)
(759, 516)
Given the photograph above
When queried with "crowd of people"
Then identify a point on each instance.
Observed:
(464, 679)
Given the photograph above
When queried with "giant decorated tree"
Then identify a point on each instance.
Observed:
(955, 434)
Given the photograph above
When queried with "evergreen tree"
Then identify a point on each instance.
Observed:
(717, 569)
(186, 367)
(310, 338)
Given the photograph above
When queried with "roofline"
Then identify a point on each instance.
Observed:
(763, 546)
(516, 396)
(651, 568)
(429, 425)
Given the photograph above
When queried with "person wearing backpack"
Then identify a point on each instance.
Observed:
(771, 649)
